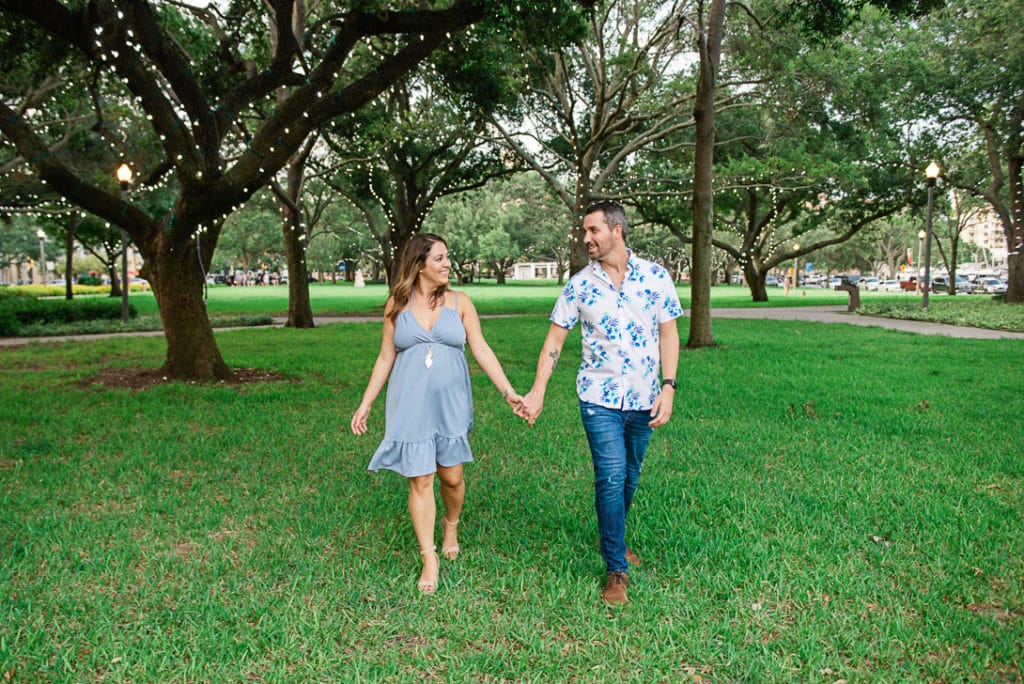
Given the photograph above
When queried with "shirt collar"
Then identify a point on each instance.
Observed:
(631, 264)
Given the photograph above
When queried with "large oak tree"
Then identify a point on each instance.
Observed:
(215, 105)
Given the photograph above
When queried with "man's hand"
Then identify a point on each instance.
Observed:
(662, 409)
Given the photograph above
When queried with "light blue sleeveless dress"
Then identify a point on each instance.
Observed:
(429, 409)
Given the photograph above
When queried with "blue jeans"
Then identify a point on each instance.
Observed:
(618, 441)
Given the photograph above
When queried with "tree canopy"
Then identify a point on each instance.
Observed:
(210, 122)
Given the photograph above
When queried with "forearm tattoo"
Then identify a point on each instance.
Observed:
(554, 359)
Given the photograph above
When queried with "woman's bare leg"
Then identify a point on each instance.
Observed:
(423, 511)
(453, 494)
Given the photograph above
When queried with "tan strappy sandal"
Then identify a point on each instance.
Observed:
(425, 586)
(450, 552)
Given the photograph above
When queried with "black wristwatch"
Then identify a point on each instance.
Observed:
(670, 382)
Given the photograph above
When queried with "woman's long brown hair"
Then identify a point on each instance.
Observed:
(413, 257)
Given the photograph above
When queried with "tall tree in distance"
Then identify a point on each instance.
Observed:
(410, 149)
(623, 88)
(817, 25)
(972, 91)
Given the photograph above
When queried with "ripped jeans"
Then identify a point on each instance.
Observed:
(618, 441)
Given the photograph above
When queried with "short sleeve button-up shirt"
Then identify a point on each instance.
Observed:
(621, 358)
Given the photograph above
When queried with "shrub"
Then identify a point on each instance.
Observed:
(16, 312)
(13, 292)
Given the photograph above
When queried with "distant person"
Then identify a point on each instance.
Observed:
(627, 309)
(429, 409)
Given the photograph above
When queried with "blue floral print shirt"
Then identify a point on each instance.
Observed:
(621, 358)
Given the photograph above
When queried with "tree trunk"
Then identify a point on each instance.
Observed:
(578, 255)
(953, 254)
(300, 310)
(69, 256)
(405, 225)
(709, 42)
(115, 280)
(755, 281)
(177, 281)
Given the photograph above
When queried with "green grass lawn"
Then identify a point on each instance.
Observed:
(242, 306)
(342, 299)
(828, 503)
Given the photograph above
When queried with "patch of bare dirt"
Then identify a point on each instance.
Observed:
(143, 378)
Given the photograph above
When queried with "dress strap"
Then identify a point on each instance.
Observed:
(456, 301)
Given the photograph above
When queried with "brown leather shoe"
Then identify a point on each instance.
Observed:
(614, 592)
(632, 558)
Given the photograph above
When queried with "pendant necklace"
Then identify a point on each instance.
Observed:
(429, 361)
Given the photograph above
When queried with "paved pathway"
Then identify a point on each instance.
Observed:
(816, 314)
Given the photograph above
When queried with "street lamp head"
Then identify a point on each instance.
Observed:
(932, 171)
(41, 234)
(124, 174)
(921, 234)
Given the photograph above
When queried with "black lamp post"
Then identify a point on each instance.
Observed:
(124, 177)
(920, 241)
(932, 172)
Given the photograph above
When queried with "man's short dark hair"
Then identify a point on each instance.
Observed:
(613, 214)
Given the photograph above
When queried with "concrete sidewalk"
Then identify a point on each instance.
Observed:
(814, 314)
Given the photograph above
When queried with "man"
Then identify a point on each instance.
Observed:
(627, 308)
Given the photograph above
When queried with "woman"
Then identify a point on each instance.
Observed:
(429, 408)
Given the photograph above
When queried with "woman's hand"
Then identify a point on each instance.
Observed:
(359, 420)
(515, 401)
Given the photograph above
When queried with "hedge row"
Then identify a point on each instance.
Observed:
(55, 290)
(16, 312)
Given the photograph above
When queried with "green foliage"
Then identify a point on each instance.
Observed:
(101, 326)
(987, 312)
(823, 20)
(250, 236)
(27, 53)
(59, 290)
(8, 292)
(16, 312)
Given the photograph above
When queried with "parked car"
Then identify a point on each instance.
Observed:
(868, 283)
(940, 284)
(771, 281)
(889, 286)
(990, 286)
(910, 285)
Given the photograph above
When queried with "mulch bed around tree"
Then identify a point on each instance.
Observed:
(144, 378)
